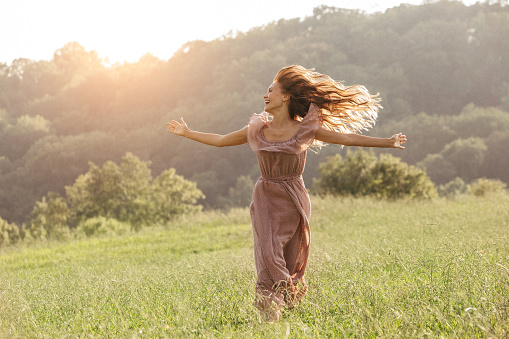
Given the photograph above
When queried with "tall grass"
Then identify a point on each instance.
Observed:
(377, 269)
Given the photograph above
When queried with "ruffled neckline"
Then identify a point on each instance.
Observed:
(300, 142)
(262, 135)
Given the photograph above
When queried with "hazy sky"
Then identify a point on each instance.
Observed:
(124, 30)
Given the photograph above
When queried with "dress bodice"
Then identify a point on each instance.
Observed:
(280, 165)
(283, 159)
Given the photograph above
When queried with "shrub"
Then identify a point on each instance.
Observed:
(172, 195)
(49, 218)
(113, 191)
(9, 233)
(126, 193)
(363, 174)
(453, 188)
(483, 186)
(101, 226)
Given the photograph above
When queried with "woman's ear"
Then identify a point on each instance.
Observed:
(286, 97)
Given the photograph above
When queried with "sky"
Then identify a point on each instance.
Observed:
(125, 30)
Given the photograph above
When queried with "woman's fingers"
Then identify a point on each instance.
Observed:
(400, 140)
(176, 127)
(172, 126)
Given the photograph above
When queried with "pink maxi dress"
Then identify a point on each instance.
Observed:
(280, 212)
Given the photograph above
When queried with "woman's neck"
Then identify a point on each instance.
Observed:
(281, 118)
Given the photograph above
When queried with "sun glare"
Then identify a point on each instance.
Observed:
(121, 30)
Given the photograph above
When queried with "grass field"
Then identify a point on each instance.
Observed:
(409, 269)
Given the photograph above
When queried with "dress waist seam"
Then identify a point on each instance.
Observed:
(285, 178)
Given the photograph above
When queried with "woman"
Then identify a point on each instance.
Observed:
(307, 108)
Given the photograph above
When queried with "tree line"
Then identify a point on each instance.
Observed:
(441, 68)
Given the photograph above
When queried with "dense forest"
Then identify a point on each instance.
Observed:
(442, 70)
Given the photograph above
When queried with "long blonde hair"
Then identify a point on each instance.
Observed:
(343, 109)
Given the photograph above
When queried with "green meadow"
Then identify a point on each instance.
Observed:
(377, 269)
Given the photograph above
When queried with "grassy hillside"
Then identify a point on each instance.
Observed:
(377, 269)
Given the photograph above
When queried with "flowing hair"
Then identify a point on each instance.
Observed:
(343, 109)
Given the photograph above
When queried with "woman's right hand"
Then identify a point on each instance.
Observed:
(178, 128)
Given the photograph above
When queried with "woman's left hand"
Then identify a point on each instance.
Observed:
(397, 140)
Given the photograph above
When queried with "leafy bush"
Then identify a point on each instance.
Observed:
(126, 193)
(49, 218)
(172, 195)
(453, 188)
(363, 174)
(100, 226)
(120, 192)
(9, 233)
(483, 186)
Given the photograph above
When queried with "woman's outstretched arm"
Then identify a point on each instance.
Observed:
(231, 139)
(346, 139)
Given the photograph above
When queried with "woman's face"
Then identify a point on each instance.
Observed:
(274, 98)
